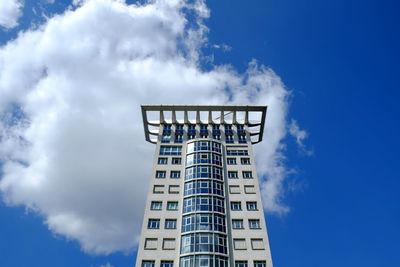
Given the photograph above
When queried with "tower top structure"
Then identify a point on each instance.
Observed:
(154, 116)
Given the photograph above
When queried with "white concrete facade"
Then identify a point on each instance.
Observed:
(219, 219)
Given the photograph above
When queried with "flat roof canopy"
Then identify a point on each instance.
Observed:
(252, 116)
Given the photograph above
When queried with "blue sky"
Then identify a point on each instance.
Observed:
(339, 60)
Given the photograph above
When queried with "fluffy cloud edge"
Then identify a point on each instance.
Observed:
(10, 12)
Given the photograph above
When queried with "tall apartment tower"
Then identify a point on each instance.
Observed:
(204, 205)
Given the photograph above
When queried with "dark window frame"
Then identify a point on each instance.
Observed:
(153, 202)
(150, 223)
(238, 203)
(166, 226)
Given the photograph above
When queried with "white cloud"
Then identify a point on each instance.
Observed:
(223, 47)
(300, 135)
(10, 11)
(72, 141)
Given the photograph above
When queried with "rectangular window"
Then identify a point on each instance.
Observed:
(237, 224)
(241, 264)
(240, 127)
(170, 224)
(236, 205)
(260, 264)
(167, 263)
(231, 161)
(242, 139)
(191, 133)
(175, 174)
(203, 157)
(254, 224)
(153, 224)
(257, 244)
(156, 205)
(229, 139)
(170, 150)
(249, 189)
(203, 132)
(161, 174)
(234, 189)
(232, 152)
(169, 243)
(162, 161)
(148, 263)
(245, 161)
(176, 161)
(165, 139)
(158, 189)
(150, 243)
(239, 244)
(251, 205)
(178, 138)
(172, 205)
(179, 128)
(173, 189)
(232, 175)
(247, 174)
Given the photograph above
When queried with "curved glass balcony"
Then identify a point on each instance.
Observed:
(203, 204)
(208, 187)
(203, 221)
(203, 242)
(203, 145)
(204, 158)
(203, 172)
(204, 261)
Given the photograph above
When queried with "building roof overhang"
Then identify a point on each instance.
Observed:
(252, 116)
